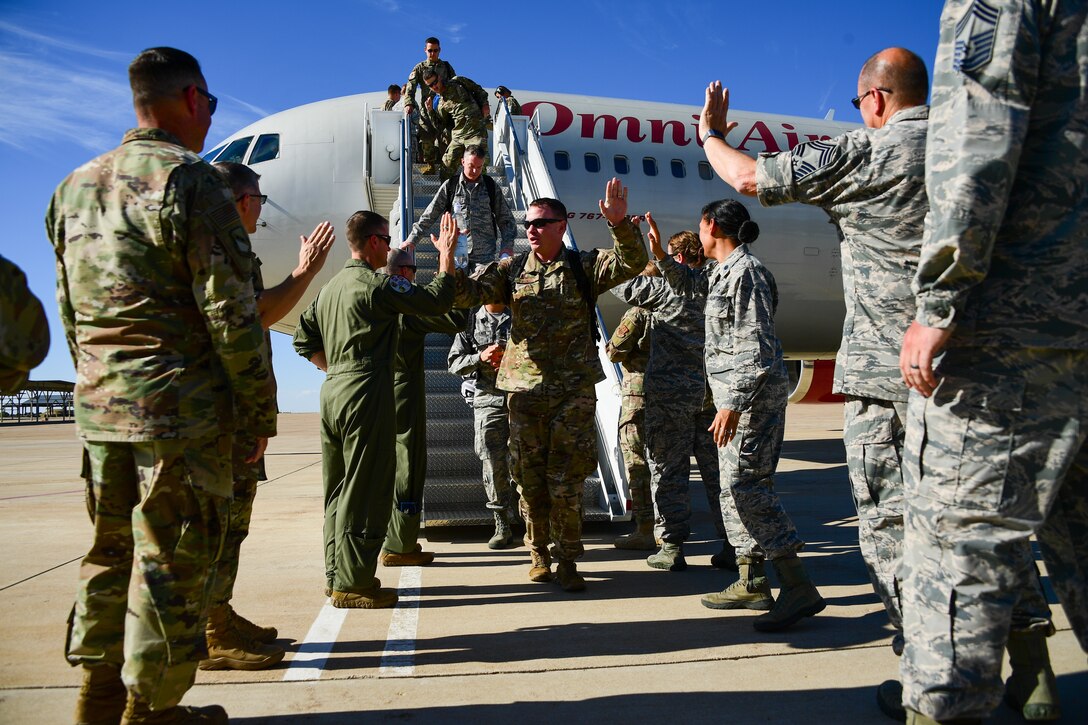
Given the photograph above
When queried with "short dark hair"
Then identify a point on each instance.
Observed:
(239, 177)
(732, 219)
(361, 225)
(476, 150)
(553, 205)
(900, 70)
(432, 39)
(393, 88)
(159, 73)
(429, 73)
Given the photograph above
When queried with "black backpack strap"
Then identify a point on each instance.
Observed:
(492, 189)
(574, 259)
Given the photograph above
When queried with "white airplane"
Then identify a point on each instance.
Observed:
(328, 159)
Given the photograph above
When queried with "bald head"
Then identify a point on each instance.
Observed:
(900, 71)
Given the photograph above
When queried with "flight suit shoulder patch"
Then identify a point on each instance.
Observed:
(401, 285)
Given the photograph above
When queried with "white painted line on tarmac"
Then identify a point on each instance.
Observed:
(310, 658)
(399, 658)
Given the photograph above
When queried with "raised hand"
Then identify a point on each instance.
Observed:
(614, 204)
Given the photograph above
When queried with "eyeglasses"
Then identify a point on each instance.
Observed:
(262, 199)
(213, 102)
(409, 266)
(858, 99)
(433, 83)
(539, 223)
(385, 238)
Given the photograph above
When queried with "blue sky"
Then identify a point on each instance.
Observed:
(64, 94)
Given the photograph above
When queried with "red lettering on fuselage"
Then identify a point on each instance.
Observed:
(555, 119)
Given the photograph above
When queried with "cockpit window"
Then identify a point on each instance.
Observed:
(266, 148)
(235, 150)
(210, 156)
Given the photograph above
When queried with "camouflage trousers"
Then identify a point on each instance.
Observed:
(996, 454)
(492, 442)
(241, 511)
(756, 523)
(670, 439)
(706, 458)
(402, 532)
(873, 431)
(461, 138)
(553, 448)
(632, 438)
(160, 512)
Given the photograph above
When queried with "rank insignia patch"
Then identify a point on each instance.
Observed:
(975, 37)
(812, 156)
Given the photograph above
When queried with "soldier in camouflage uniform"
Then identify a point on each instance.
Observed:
(151, 250)
(871, 183)
(490, 226)
(350, 332)
(674, 388)
(550, 368)
(996, 438)
(748, 379)
(24, 332)
(401, 546)
(630, 347)
(234, 642)
(512, 104)
(477, 354)
(394, 98)
(428, 132)
(706, 458)
(465, 111)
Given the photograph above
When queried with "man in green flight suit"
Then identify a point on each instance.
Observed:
(551, 365)
(350, 332)
(409, 388)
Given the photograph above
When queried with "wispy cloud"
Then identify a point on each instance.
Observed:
(64, 44)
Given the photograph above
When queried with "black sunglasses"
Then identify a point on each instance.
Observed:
(856, 100)
(261, 198)
(409, 266)
(213, 102)
(385, 238)
(539, 223)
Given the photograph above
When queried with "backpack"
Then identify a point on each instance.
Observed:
(574, 259)
(474, 89)
(492, 190)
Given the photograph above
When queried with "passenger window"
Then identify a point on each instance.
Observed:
(678, 169)
(235, 150)
(705, 172)
(210, 156)
(622, 165)
(562, 161)
(266, 148)
(649, 166)
(593, 163)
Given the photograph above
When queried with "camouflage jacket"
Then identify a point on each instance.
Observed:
(390, 104)
(475, 202)
(460, 110)
(871, 182)
(742, 350)
(512, 106)
(630, 347)
(355, 318)
(675, 367)
(154, 284)
(24, 332)
(464, 359)
(1005, 257)
(415, 80)
(551, 346)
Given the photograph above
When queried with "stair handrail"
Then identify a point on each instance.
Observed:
(407, 194)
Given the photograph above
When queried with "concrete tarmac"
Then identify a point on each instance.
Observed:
(473, 640)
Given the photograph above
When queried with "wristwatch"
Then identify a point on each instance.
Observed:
(713, 134)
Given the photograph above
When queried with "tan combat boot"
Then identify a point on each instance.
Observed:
(641, 539)
(749, 591)
(415, 557)
(137, 711)
(566, 573)
(102, 695)
(229, 650)
(377, 598)
(797, 598)
(669, 558)
(1031, 690)
(249, 630)
(541, 570)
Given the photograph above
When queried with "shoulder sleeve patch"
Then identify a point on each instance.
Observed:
(812, 156)
(401, 285)
(975, 34)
